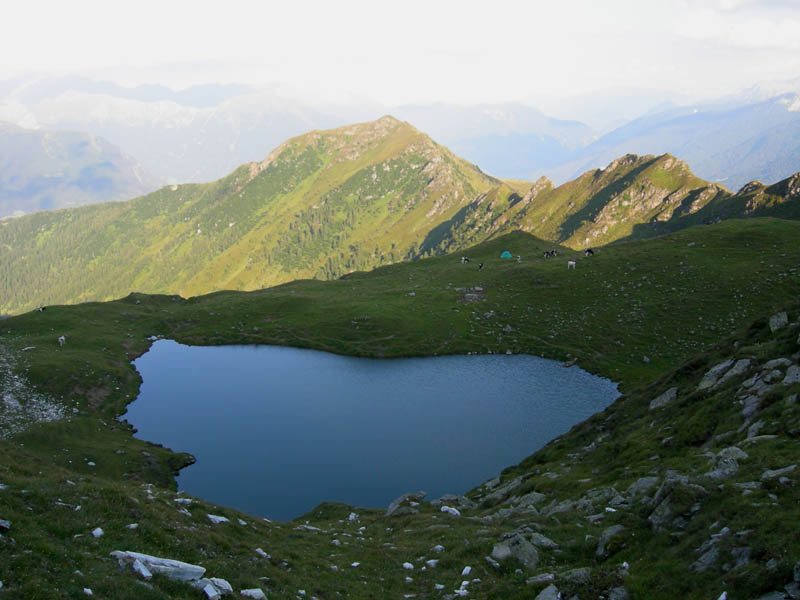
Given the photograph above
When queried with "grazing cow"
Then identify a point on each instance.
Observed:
(480, 266)
(571, 264)
(39, 308)
(61, 340)
(588, 252)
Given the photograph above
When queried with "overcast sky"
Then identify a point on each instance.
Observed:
(460, 51)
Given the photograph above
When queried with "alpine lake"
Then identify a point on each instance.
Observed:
(277, 430)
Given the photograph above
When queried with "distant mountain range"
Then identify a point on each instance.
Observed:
(45, 170)
(201, 133)
(330, 202)
(505, 140)
(731, 144)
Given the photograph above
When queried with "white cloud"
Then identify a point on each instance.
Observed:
(457, 51)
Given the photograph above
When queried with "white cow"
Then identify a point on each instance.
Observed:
(570, 264)
(61, 340)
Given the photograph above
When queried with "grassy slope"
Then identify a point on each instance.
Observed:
(321, 205)
(667, 299)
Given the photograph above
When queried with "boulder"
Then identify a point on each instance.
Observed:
(777, 363)
(739, 368)
(663, 514)
(461, 501)
(549, 593)
(711, 377)
(641, 487)
(502, 492)
(778, 321)
(578, 576)
(541, 578)
(217, 519)
(605, 538)
(726, 463)
(741, 556)
(518, 547)
(141, 570)
(172, 569)
(706, 561)
(792, 375)
(541, 541)
(531, 499)
(777, 473)
(408, 497)
(254, 593)
(618, 593)
(664, 398)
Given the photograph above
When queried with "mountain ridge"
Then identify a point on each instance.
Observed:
(329, 202)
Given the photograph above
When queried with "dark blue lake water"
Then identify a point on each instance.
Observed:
(278, 430)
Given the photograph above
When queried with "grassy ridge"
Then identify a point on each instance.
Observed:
(320, 205)
(351, 199)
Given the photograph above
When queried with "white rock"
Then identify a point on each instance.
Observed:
(91, 464)
(432, 562)
(254, 593)
(438, 548)
(242, 523)
(217, 519)
(352, 516)
(451, 511)
(409, 580)
(408, 566)
(438, 586)
(97, 532)
(778, 321)
(183, 500)
(466, 571)
(355, 564)
(664, 398)
(548, 593)
(211, 592)
(222, 585)
(336, 542)
(140, 569)
(172, 569)
(132, 526)
(262, 554)
(88, 591)
(777, 473)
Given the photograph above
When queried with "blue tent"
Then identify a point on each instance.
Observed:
(506, 254)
